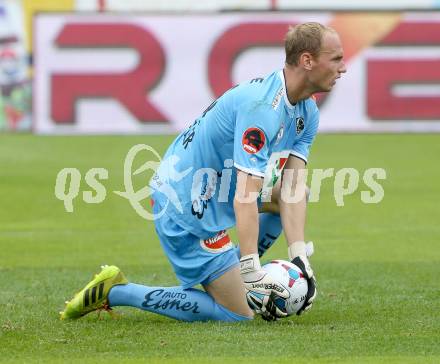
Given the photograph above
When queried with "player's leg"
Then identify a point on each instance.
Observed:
(270, 227)
(174, 302)
(228, 290)
(269, 230)
(110, 288)
(224, 299)
(211, 262)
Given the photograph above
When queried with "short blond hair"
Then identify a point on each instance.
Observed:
(302, 38)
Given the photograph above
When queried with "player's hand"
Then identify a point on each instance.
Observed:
(262, 289)
(271, 312)
(302, 262)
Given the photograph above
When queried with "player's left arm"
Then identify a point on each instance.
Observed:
(293, 205)
(293, 199)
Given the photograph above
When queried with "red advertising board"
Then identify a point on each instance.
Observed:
(149, 74)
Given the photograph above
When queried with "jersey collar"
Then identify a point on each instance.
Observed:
(286, 99)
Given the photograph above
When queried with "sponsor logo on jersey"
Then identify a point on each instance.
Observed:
(218, 243)
(277, 98)
(299, 125)
(253, 140)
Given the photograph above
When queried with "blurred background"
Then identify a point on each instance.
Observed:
(118, 73)
(150, 67)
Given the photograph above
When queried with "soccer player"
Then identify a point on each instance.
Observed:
(212, 178)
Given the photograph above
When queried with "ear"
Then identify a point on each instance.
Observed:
(306, 60)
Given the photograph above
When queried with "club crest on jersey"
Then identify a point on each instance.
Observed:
(218, 243)
(253, 140)
(299, 125)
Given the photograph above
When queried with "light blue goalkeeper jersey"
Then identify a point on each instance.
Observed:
(253, 128)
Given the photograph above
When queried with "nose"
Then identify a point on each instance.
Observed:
(343, 68)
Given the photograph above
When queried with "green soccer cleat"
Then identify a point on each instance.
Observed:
(93, 297)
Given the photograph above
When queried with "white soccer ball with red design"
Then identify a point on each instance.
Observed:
(290, 276)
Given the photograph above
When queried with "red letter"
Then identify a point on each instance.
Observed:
(384, 74)
(234, 41)
(130, 88)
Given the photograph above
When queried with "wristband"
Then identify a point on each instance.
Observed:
(300, 248)
(250, 263)
(297, 248)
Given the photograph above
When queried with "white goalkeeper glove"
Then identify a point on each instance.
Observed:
(299, 252)
(262, 289)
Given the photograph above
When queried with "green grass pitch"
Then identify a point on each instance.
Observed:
(377, 265)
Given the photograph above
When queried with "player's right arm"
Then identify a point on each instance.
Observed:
(261, 288)
(254, 130)
(246, 211)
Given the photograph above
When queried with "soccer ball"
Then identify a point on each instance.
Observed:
(290, 276)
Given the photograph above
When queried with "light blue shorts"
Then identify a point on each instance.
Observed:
(194, 260)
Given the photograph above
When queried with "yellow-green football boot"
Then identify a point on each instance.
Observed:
(94, 296)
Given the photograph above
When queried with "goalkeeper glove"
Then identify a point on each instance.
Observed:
(299, 252)
(262, 289)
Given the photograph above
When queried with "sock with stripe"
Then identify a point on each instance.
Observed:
(175, 302)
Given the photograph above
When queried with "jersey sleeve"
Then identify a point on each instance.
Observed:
(254, 131)
(301, 148)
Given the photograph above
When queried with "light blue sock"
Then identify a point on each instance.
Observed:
(175, 302)
(269, 230)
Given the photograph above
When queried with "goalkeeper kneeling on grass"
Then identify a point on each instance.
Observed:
(210, 180)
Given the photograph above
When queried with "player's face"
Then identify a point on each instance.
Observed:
(329, 65)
